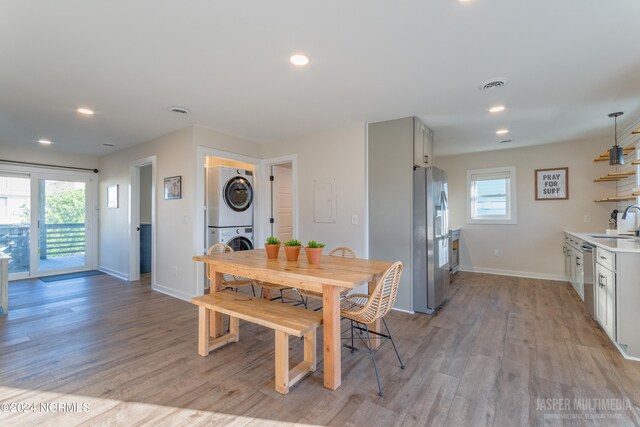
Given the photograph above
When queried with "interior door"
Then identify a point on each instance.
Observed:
(282, 203)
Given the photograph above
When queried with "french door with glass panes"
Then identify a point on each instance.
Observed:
(46, 225)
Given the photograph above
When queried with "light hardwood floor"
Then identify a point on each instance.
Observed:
(130, 354)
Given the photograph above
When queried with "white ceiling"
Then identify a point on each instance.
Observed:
(569, 63)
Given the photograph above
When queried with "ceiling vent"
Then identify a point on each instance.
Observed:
(108, 145)
(494, 84)
(505, 141)
(179, 110)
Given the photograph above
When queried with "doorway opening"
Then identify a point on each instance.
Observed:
(142, 215)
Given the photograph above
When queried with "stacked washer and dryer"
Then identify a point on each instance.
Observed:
(230, 207)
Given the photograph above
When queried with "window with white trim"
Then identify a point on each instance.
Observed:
(491, 196)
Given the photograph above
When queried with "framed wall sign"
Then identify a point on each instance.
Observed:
(112, 196)
(552, 184)
(173, 187)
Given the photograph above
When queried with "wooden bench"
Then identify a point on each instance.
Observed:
(284, 319)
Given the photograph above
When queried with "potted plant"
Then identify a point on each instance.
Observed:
(314, 250)
(272, 246)
(292, 249)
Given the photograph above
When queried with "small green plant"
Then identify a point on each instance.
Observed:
(271, 240)
(293, 242)
(314, 244)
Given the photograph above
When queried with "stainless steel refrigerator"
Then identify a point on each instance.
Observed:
(430, 250)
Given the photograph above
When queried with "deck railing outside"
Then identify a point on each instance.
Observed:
(58, 240)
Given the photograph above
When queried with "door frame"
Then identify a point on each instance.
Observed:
(134, 218)
(199, 204)
(266, 194)
(91, 180)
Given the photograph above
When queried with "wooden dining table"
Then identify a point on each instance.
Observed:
(333, 275)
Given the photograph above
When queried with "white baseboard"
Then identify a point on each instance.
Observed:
(172, 292)
(114, 273)
(402, 310)
(624, 354)
(525, 274)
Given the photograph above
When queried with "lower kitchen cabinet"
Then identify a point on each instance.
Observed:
(573, 265)
(616, 287)
(578, 275)
(606, 300)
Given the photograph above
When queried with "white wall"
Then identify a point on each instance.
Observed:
(339, 154)
(174, 152)
(532, 247)
(175, 235)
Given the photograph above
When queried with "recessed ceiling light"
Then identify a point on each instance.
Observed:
(85, 111)
(299, 60)
(502, 132)
(496, 109)
(44, 141)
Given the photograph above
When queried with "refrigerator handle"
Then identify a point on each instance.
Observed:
(445, 206)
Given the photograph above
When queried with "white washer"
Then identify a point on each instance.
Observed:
(239, 238)
(229, 197)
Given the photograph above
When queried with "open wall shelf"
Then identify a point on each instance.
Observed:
(615, 176)
(618, 198)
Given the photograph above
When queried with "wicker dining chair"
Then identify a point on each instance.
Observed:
(342, 252)
(362, 310)
(229, 280)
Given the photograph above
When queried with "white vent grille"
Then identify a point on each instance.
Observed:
(179, 110)
(494, 84)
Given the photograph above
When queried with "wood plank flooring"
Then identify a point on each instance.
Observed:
(129, 355)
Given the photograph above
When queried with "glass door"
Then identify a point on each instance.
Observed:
(15, 222)
(62, 212)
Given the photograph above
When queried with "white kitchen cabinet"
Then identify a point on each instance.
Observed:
(578, 275)
(606, 299)
(574, 264)
(422, 144)
(616, 290)
(566, 251)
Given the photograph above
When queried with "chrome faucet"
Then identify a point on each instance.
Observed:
(624, 216)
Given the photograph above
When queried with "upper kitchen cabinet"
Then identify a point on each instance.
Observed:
(422, 144)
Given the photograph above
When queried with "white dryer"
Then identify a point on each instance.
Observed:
(229, 197)
(239, 238)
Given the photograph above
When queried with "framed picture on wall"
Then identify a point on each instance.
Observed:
(173, 187)
(112, 196)
(552, 184)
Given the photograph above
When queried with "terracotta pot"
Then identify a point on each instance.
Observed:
(313, 255)
(292, 252)
(272, 250)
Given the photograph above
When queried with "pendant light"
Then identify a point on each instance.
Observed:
(616, 153)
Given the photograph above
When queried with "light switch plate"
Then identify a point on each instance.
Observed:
(354, 219)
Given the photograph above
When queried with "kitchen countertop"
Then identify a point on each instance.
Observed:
(632, 244)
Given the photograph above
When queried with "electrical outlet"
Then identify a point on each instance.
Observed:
(354, 219)
(496, 252)
(587, 218)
